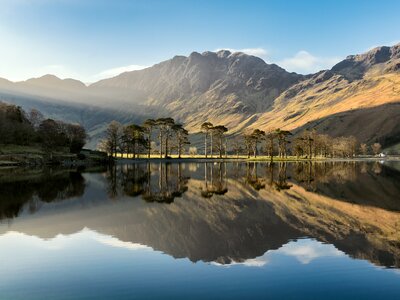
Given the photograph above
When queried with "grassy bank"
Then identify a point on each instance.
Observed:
(15, 155)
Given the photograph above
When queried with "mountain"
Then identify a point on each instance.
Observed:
(219, 87)
(359, 96)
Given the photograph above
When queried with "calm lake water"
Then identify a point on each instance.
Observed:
(202, 230)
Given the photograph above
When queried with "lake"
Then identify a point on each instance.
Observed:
(217, 230)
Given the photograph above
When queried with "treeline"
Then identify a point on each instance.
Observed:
(308, 144)
(18, 127)
(165, 137)
(277, 142)
(139, 139)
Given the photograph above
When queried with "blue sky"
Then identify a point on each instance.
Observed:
(89, 40)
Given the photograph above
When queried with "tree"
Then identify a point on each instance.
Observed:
(206, 128)
(257, 135)
(307, 138)
(113, 137)
(133, 137)
(149, 125)
(77, 136)
(52, 136)
(181, 137)
(192, 151)
(164, 126)
(376, 148)
(248, 144)
(35, 117)
(270, 144)
(237, 146)
(219, 132)
(15, 127)
(282, 142)
(363, 149)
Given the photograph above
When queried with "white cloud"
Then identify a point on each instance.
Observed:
(260, 52)
(251, 262)
(116, 71)
(304, 251)
(304, 62)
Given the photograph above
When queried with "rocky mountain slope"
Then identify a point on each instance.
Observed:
(222, 87)
(359, 96)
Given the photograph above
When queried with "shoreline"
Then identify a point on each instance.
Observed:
(232, 159)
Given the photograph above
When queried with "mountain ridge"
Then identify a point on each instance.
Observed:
(239, 90)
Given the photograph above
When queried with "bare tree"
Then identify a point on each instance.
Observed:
(77, 136)
(237, 146)
(363, 149)
(113, 137)
(376, 148)
(248, 144)
(35, 117)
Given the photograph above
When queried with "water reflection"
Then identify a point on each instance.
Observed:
(154, 182)
(18, 187)
(225, 213)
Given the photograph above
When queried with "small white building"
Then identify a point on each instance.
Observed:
(382, 154)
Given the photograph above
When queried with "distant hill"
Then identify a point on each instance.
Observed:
(358, 96)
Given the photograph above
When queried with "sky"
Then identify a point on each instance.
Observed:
(90, 40)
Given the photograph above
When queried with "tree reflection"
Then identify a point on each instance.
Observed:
(215, 179)
(169, 184)
(35, 188)
(154, 182)
(252, 178)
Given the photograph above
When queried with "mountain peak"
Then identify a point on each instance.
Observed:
(52, 81)
(354, 67)
(44, 78)
(223, 53)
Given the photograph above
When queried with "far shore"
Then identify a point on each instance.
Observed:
(251, 159)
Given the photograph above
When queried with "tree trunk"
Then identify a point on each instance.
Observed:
(149, 145)
(205, 145)
(166, 147)
(179, 149)
(211, 150)
(220, 147)
(161, 144)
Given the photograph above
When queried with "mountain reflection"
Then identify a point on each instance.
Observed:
(222, 212)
